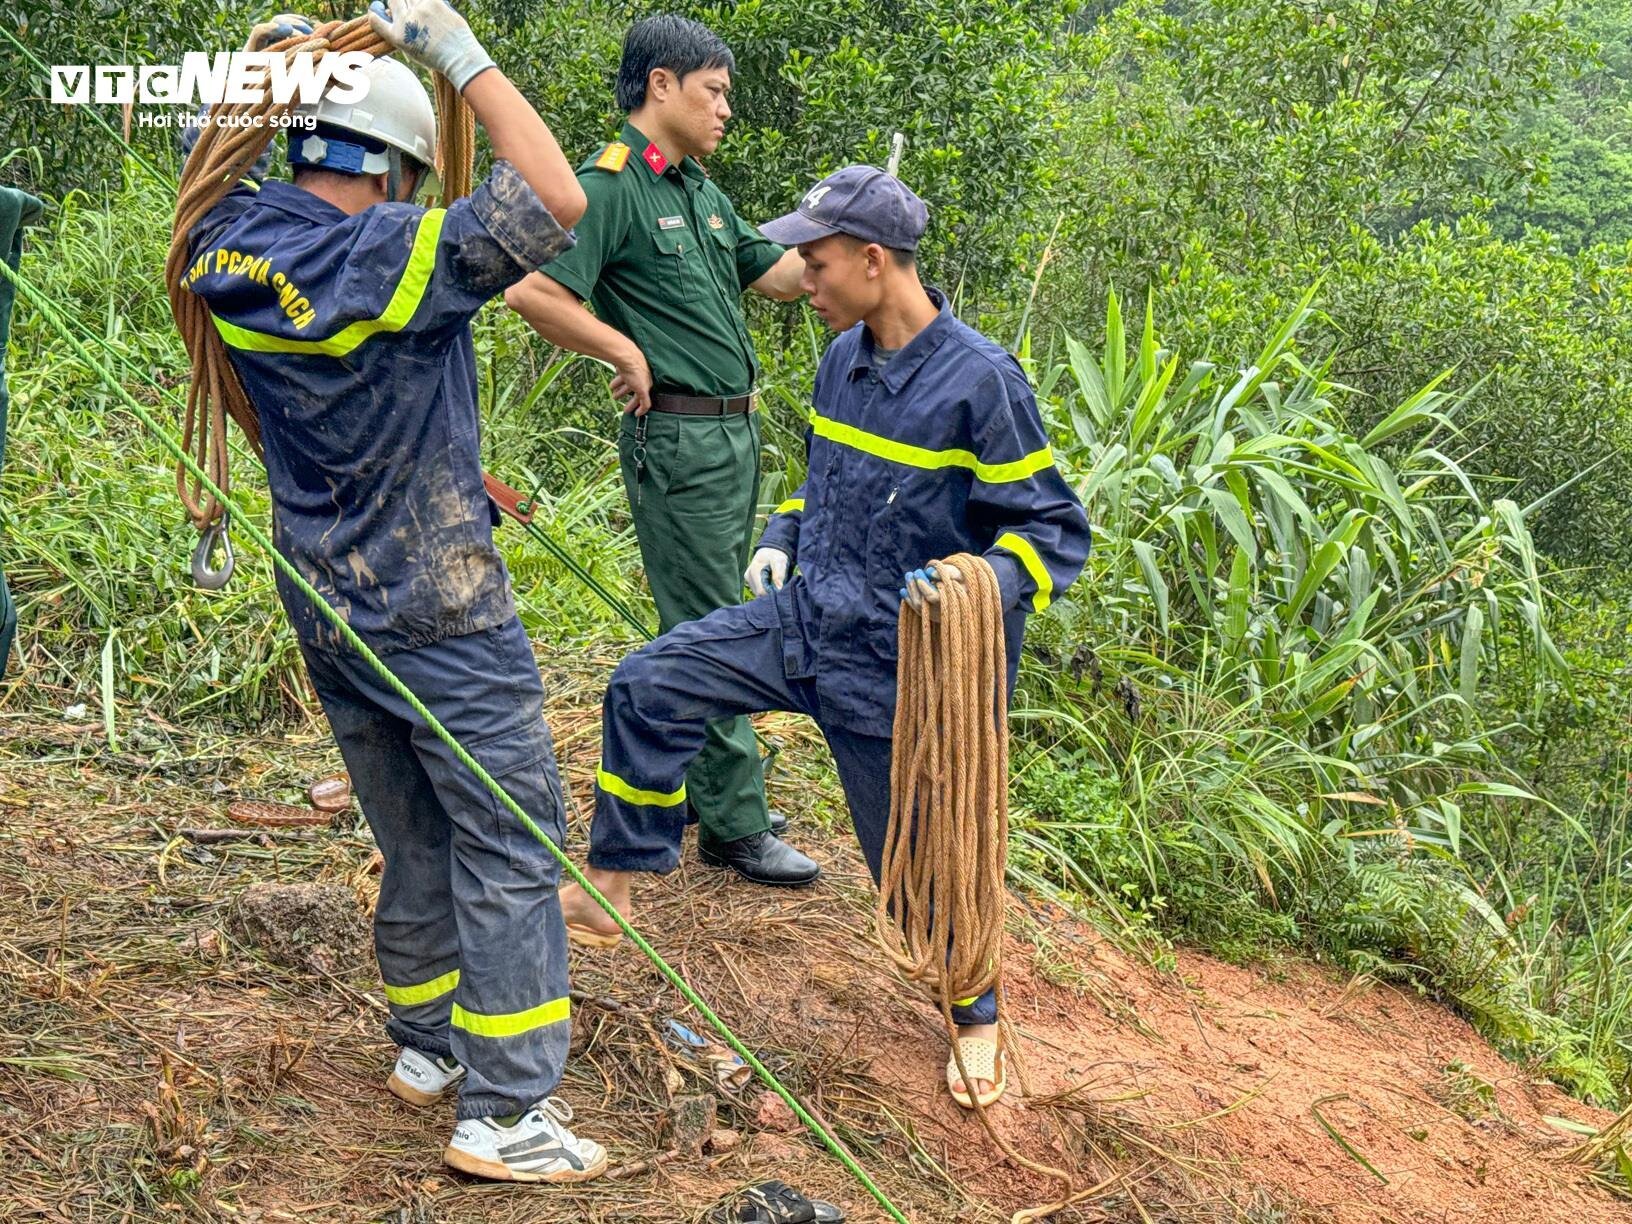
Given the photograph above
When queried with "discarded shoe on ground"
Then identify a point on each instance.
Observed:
(775, 1202)
(729, 1070)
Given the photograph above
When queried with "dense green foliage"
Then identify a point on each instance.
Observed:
(1347, 670)
(1583, 143)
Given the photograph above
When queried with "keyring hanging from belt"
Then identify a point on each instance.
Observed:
(638, 454)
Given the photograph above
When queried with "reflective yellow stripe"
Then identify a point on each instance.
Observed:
(969, 1002)
(511, 1024)
(919, 457)
(614, 785)
(405, 300)
(793, 503)
(412, 996)
(1022, 548)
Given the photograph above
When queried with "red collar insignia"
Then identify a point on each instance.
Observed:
(654, 158)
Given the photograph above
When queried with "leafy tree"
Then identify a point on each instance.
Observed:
(1264, 125)
(72, 150)
(819, 85)
(1582, 193)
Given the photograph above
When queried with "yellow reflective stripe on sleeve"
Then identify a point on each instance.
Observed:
(793, 503)
(921, 457)
(614, 785)
(511, 1024)
(1022, 548)
(405, 300)
(412, 996)
(969, 1002)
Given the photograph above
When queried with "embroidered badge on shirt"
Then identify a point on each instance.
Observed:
(668, 223)
(613, 157)
(655, 159)
(715, 221)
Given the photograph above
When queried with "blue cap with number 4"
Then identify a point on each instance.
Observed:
(861, 201)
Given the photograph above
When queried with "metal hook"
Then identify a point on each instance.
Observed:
(203, 576)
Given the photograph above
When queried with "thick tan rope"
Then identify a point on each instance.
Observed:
(942, 899)
(228, 146)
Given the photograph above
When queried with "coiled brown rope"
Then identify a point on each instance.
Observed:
(941, 898)
(229, 144)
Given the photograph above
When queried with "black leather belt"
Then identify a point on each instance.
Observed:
(704, 405)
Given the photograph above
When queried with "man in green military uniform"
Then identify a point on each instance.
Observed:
(663, 258)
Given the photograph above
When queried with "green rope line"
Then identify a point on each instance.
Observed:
(617, 605)
(545, 540)
(40, 303)
(91, 109)
(551, 546)
(560, 553)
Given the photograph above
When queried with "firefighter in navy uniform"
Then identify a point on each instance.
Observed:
(925, 441)
(346, 313)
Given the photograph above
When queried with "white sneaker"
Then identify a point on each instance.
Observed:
(538, 1148)
(420, 1079)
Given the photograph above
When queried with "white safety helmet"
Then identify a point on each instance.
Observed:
(395, 111)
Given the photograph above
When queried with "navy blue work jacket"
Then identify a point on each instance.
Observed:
(940, 452)
(351, 335)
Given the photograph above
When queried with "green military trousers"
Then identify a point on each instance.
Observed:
(694, 498)
(17, 209)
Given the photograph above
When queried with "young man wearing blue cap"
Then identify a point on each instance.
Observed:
(925, 441)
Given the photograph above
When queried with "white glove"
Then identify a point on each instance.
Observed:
(772, 559)
(435, 35)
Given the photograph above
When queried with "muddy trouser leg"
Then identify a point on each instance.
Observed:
(508, 1013)
(415, 938)
(863, 763)
(654, 721)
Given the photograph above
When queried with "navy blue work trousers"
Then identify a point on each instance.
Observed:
(468, 929)
(654, 722)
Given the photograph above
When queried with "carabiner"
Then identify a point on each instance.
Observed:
(203, 576)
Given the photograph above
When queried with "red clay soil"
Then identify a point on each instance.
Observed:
(139, 1037)
(1453, 1130)
(1203, 1086)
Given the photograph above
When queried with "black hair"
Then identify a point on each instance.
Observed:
(667, 41)
(899, 256)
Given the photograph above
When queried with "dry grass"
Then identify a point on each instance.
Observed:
(152, 1068)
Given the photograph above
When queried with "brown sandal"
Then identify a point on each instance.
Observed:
(584, 937)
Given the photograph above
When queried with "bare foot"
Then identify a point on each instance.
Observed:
(989, 1032)
(581, 912)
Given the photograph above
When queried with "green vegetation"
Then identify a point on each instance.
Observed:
(1330, 311)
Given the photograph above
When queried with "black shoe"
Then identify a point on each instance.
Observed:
(762, 858)
(779, 822)
(775, 1202)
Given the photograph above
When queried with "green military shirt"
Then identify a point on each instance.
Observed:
(663, 257)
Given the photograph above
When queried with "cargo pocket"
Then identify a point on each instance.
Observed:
(522, 762)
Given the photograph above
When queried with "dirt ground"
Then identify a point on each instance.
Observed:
(155, 1066)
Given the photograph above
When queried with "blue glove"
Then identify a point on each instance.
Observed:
(920, 589)
(276, 29)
